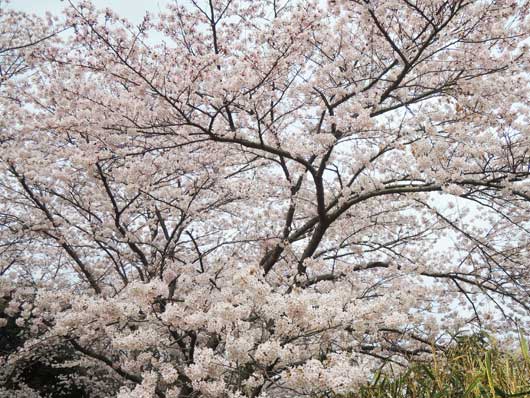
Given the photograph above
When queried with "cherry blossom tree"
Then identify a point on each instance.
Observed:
(261, 198)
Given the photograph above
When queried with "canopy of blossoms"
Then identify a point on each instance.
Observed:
(261, 198)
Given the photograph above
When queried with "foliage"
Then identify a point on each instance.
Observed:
(476, 367)
(45, 370)
(261, 198)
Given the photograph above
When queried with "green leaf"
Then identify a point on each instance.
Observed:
(472, 386)
(489, 373)
(524, 346)
(501, 393)
(520, 394)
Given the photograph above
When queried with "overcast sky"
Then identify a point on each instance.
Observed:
(131, 9)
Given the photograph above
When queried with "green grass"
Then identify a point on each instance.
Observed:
(475, 367)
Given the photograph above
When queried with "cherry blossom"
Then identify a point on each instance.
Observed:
(260, 199)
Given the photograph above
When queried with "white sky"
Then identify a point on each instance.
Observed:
(130, 9)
